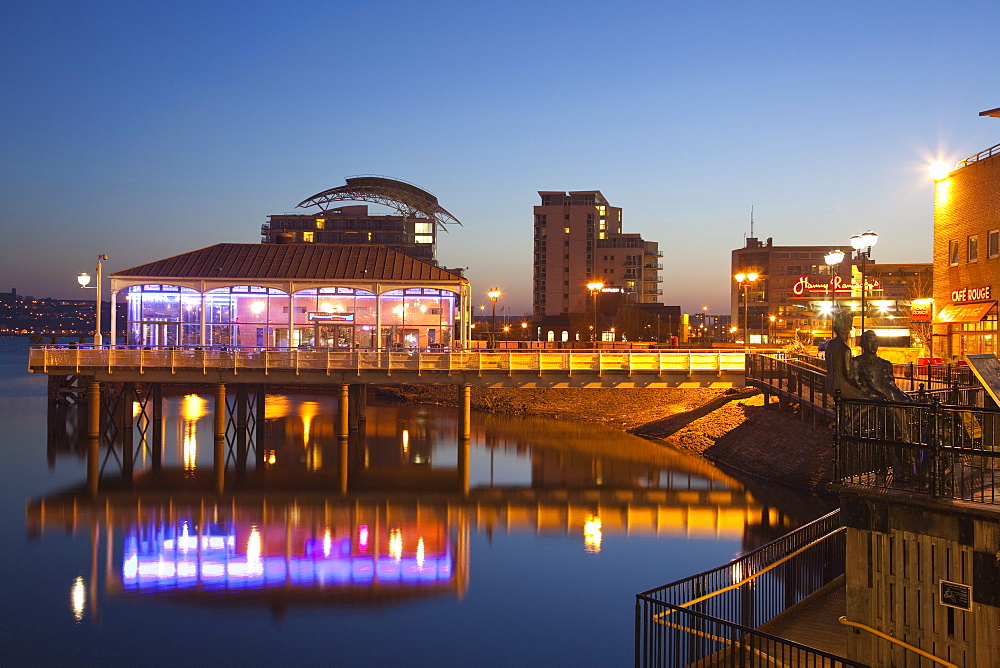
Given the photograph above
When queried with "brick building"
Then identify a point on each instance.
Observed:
(800, 291)
(967, 255)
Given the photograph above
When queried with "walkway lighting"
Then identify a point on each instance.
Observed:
(594, 288)
(494, 295)
(744, 280)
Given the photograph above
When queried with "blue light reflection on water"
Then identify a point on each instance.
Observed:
(529, 595)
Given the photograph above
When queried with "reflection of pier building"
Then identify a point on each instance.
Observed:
(401, 527)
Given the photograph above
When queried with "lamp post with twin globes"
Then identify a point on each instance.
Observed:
(862, 244)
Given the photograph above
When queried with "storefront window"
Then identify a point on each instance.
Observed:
(163, 315)
(418, 318)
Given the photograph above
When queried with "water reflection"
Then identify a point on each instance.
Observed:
(291, 533)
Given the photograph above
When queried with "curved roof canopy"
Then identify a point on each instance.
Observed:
(405, 198)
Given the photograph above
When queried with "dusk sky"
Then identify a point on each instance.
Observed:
(144, 130)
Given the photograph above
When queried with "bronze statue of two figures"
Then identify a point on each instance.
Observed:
(871, 378)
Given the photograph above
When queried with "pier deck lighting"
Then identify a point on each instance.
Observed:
(862, 244)
(84, 281)
(594, 288)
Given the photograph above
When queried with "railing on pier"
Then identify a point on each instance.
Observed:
(943, 450)
(80, 357)
(714, 617)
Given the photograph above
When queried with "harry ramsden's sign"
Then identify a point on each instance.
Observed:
(971, 295)
(835, 285)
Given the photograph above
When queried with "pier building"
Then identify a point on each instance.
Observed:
(289, 295)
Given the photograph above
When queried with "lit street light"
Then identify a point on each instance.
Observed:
(862, 244)
(834, 258)
(594, 288)
(494, 295)
(84, 281)
(744, 280)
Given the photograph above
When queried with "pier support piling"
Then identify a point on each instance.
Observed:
(219, 460)
(93, 437)
(344, 408)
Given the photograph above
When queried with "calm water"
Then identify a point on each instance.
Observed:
(538, 565)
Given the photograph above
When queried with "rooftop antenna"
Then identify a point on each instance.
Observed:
(751, 222)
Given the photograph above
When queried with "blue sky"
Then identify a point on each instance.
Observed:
(143, 130)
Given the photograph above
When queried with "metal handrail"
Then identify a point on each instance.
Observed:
(796, 550)
(985, 153)
(896, 641)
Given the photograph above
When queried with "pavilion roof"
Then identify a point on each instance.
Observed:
(298, 261)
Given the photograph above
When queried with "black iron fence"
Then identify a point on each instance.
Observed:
(713, 618)
(947, 451)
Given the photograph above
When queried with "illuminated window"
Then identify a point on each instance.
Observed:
(565, 230)
(953, 252)
(422, 239)
(422, 228)
(601, 235)
(307, 236)
(993, 244)
(320, 223)
(972, 248)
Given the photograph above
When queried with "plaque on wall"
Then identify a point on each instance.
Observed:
(955, 595)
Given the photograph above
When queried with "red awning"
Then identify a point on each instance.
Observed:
(963, 312)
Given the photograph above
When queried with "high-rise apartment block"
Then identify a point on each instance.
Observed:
(579, 241)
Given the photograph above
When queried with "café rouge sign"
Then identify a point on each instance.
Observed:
(836, 285)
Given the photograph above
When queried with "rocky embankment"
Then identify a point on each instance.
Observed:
(729, 427)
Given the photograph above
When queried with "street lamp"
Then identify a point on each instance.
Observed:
(494, 295)
(594, 288)
(744, 280)
(862, 244)
(834, 258)
(84, 281)
(770, 330)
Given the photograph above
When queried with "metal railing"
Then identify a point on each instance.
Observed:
(985, 153)
(796, 376)
(80, 357)
(715, 617)
(804, 377)
(943, 450)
